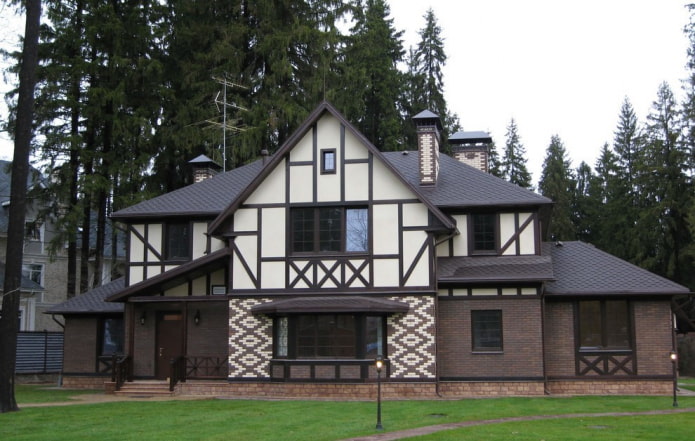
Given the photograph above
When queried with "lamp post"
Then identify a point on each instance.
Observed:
(674, 361)
(379, 363)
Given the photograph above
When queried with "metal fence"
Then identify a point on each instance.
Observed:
(39, 352)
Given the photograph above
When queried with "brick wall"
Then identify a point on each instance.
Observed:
(209, 337)
(522, 353)
(80, 344)
(92, 382)
(653, 337)
(489, 389)
(610, 387)
(559, 339)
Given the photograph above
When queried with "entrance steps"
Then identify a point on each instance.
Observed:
(145, 389)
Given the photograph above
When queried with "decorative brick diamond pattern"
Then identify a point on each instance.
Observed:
(411, 340)
(250, 340)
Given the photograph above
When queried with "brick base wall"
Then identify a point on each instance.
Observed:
(96, 383)
(489, 389)
(607, 387)
(361, 391)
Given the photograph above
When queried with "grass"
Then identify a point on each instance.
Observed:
(44, 393)
(328, 420)
(687, 383)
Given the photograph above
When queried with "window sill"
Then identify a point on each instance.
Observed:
(487, 352)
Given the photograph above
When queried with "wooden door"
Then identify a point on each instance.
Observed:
(169, 341)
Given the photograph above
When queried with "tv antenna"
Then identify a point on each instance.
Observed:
(236, 126)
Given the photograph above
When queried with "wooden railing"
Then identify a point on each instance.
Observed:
(178, 372)
(122, 370)
(206, 367)
(606, 363)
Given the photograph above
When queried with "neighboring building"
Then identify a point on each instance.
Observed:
(44, 282)
(302, 267)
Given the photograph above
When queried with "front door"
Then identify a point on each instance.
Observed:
(169, 341)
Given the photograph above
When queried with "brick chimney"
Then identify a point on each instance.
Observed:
(472, 148)
(428, 125)
(203, 168)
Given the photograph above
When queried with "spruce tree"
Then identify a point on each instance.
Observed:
(513, 164)
(557, 183)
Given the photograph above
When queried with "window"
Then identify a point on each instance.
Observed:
(328, 161)
(604, 325)
(486, 330)
(177, 241)
(329, 336)
(32, 231)
(330, 229)
(484, 232)
(112, 336)
(33, 272)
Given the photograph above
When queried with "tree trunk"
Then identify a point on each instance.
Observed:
(15, 233)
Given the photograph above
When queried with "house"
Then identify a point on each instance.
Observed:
(44, 276)
(289, 275)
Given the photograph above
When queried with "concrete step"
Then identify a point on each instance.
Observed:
(145, 389)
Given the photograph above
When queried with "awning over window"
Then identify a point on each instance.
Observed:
(333, 304)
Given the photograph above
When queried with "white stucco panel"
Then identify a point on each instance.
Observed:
(301, 183)
(328, 134)
(304, 149)
(357, 185)
(200, 240)
(415, 215)
(137, 248)
(154, 238)
(387, 185)
(354, 149)
(386, 273)
(412, 243)
(246, 219)
(385, 230)
(177, 291)
(461, 240)
(248, 250)
(327, 186)
(273, 275)
(135, 275)
(273, 232)
(507, 230)
(272, 189)
(527, 238)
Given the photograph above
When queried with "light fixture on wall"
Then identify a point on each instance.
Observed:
(142, 318)
(196, 319)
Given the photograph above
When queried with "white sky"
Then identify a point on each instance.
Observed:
(556, 67)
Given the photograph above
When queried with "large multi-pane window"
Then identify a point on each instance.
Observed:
(604, 325)
(484, 233)
(329, 229)
(177, 241)
(486, 330)
(329, 336)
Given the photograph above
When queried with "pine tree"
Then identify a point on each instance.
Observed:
(513, 164)
(557, 183)
(371, 82)
(493, 162)
(584, 211)
(666, 193)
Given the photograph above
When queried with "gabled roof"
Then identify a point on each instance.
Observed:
(323, 108)
(494, 269)
(461, 186)
(93, 301)
(582, 269)
(207, 198)
(187, 271)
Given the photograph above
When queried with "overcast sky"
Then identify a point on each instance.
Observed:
(556, 67)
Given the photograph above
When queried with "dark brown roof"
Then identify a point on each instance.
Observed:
(461, 186)
(489, 269)
(93, 301)
(582, 269)
(334, 304)
(206, 198)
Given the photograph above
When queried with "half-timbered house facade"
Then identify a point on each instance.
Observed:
(290, 275)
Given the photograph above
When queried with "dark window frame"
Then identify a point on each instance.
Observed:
(325, 166)
(311, 231)
(477, 318)
(177, 253)
(603, 339)
(361, 348)
(492, 224)
(119, 335)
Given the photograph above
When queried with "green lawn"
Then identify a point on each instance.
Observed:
(328, 420)
(687, 383)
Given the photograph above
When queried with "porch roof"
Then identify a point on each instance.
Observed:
(169, 279)
(328, 304)
(92, 302)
